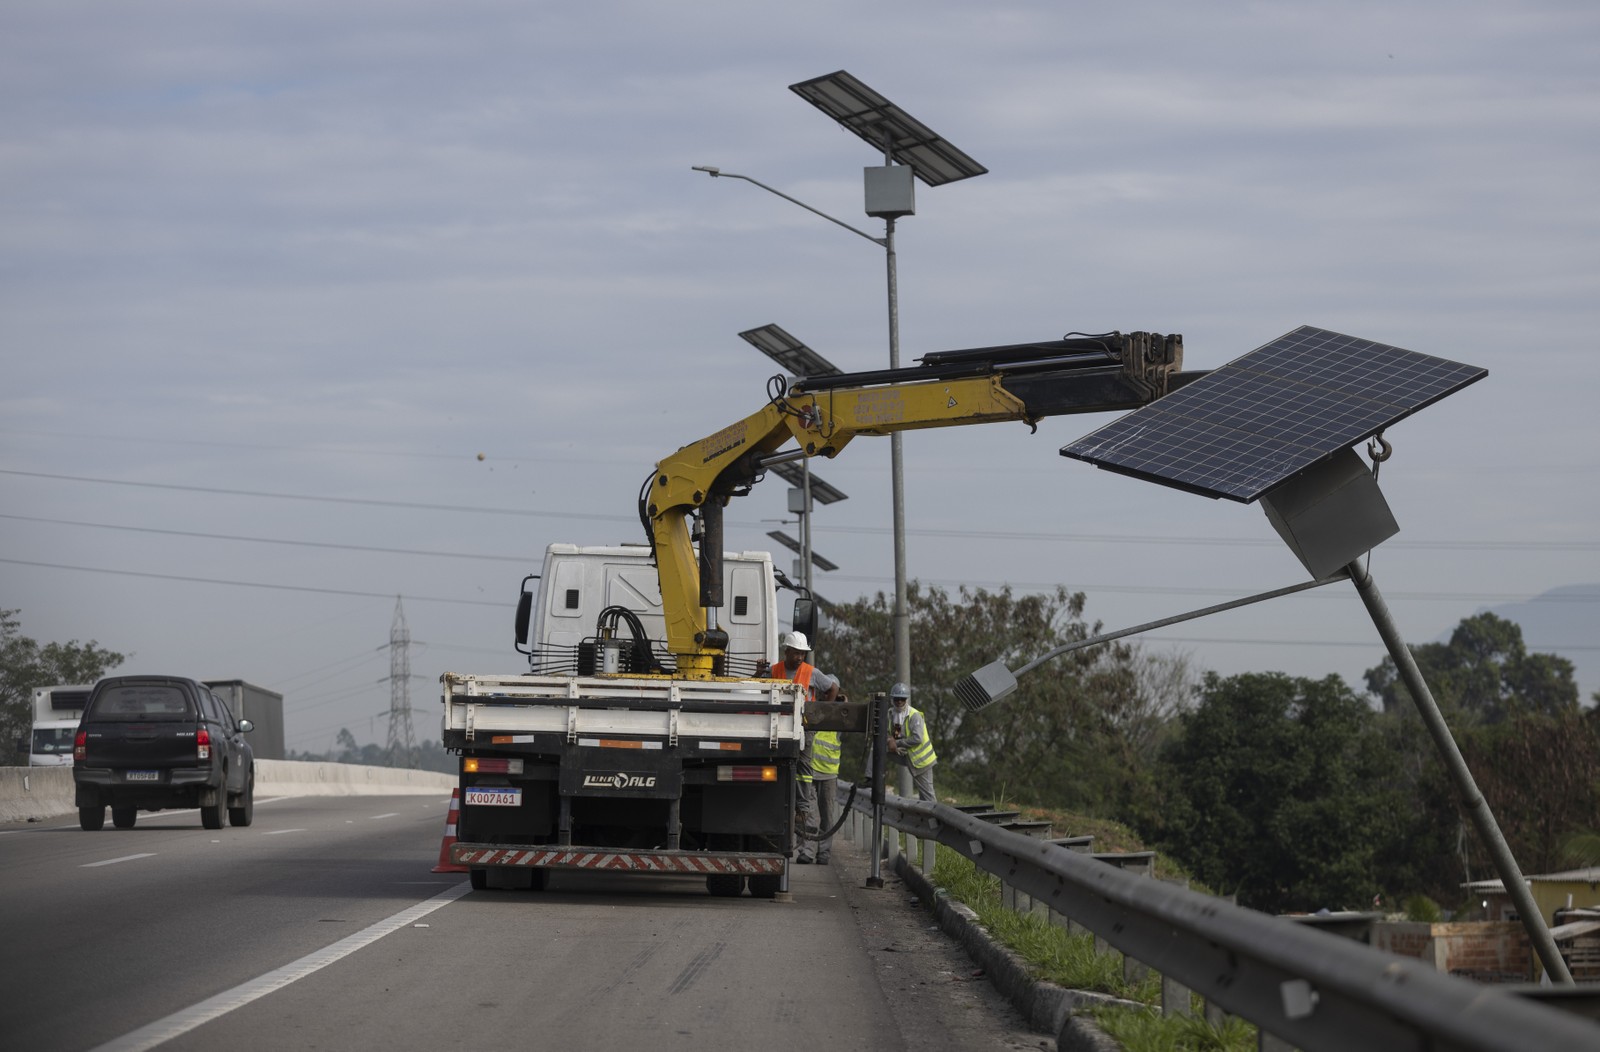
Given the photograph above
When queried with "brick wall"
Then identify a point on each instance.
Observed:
(1490, 951)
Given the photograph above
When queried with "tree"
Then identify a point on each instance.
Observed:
(1541, 776)
(1078, 733)
(1484, 674)
(1532, 751)
(1274, 788)
(26, 665)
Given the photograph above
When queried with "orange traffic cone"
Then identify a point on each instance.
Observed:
(445, 865)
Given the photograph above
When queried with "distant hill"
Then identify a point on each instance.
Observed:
(1562, 621)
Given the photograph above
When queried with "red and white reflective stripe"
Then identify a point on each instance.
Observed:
(627, 861)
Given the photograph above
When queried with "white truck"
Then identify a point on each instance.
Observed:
(600, 758)
(648, 734)
(56, 712)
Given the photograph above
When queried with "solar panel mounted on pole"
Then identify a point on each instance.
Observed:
(1277, 425)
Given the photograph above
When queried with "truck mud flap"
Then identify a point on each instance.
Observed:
(668, 863)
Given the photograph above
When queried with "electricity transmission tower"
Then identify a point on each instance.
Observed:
(402, 739)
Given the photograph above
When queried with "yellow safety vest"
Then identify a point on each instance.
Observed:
(922, 754)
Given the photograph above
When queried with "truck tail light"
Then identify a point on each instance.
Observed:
(202, 744)
(730, 773)
(489, 765)
(80, 746)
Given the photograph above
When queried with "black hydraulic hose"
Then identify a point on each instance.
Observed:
(844, 813)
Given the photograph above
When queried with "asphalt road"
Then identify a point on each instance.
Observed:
(322, 926)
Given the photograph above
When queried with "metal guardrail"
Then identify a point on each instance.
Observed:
(1300, 986)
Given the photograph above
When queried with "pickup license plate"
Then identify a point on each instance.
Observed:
(494, 798)
(142, 776)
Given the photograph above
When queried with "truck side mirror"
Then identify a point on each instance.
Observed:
(805, 617)
(524, 614)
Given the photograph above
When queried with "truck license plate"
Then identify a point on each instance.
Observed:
(142, 776)
(494, 798)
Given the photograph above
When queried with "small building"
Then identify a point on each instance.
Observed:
(1569, 902)
(1569, 889)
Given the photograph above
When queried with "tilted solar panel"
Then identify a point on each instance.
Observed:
(1246, 427)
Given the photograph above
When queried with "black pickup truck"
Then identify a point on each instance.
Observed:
(146, 743)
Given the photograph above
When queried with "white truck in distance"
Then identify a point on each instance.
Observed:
(601, 758)
(56, 712)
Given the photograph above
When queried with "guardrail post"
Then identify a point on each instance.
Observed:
(1176, 999)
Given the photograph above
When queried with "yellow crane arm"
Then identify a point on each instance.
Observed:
(823, 414)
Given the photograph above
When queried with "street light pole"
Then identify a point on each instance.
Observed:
(902, 619)
(902, 615)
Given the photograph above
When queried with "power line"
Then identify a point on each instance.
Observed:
(940, 582)
(1002, 535)
(248, 584)
(266, 540)
(336, 450)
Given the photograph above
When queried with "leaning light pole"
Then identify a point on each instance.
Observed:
(1278, 425)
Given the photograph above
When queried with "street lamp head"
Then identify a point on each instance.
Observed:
(710, 170)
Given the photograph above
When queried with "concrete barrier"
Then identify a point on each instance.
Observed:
(32, 793)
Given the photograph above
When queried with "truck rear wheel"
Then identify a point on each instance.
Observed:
(725, 885)
(245, 810)
(123, 817)
(213, 815)
(91, 819)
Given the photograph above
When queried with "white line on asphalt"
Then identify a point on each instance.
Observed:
(187, 1019)
(389, 814)
(114, 861)
(279, 832)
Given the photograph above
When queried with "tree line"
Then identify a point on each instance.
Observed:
(1292, 793)
(26, 664)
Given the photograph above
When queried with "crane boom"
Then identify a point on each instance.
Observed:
(823, 414)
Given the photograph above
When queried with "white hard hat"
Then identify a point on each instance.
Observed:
(794, 641)
(899, 690)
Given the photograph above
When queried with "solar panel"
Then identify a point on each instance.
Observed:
(881, 123)
(1246, 427)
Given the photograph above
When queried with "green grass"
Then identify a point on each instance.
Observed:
(1146, 1030)
(1056, 955)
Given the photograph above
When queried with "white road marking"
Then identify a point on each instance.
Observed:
(390, 814)
(114, 861)
(187, 1019)
(280, 832)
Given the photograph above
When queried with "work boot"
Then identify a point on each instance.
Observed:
(804, 860)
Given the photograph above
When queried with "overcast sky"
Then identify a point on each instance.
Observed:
(275, 274)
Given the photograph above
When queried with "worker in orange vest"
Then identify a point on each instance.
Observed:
(796, 666)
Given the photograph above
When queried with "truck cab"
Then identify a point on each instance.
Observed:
(56, 712)
(557, 617)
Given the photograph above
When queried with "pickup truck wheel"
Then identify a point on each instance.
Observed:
(765, 885)
(480, 879)
(124, 817)
(212, 816)
(725, 885)
(245, 811)
(91, 819)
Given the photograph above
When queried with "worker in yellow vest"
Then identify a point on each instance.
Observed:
(909, 744)
(796, 666)
(826, 751)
